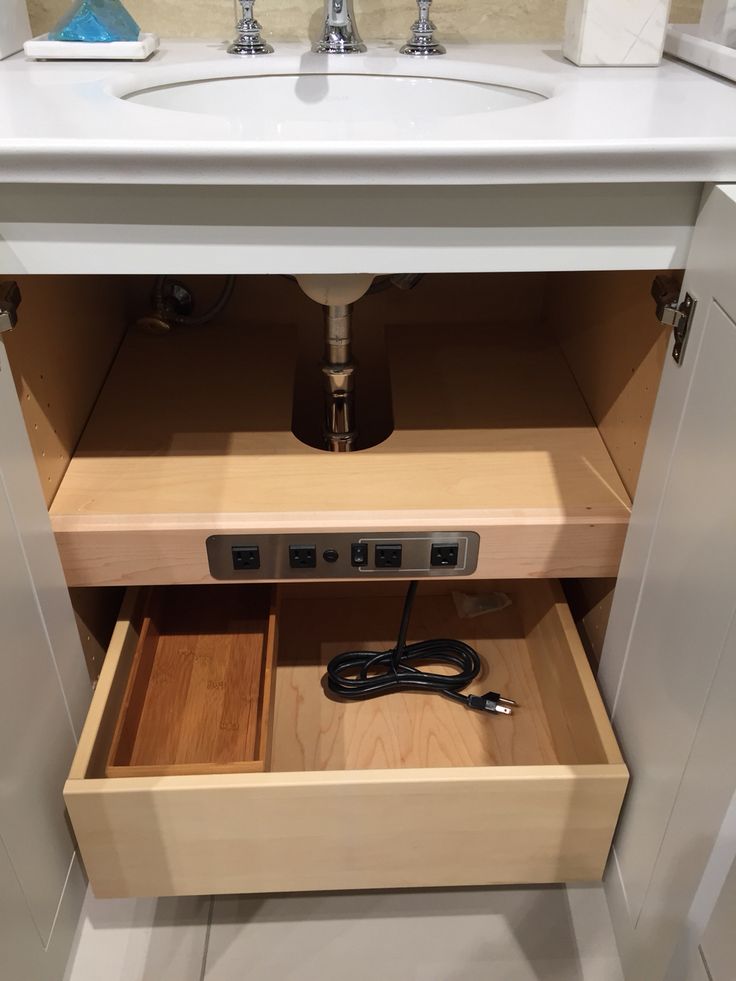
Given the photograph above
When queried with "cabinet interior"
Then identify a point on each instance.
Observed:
(521, 394)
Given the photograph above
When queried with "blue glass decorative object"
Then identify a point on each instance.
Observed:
(98, 21)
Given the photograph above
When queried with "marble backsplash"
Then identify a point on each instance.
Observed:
(457, 20)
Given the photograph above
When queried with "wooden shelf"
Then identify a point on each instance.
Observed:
(192, 435)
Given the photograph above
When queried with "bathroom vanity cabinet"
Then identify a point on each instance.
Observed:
(523, 379)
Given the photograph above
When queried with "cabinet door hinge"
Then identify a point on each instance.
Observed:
(9, 302)
(673, 313)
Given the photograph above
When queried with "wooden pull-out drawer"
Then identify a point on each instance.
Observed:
(403, 790)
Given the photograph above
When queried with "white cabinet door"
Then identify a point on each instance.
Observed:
(718, 945)
(40, 887)
(668, 639)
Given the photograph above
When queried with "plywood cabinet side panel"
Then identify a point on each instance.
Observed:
(69, 330)
(590, 605)
(95, 610)
(615, 346)
(606, 325)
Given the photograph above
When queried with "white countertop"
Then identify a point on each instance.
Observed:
(64, 123)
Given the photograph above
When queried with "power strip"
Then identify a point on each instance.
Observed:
(343, 555)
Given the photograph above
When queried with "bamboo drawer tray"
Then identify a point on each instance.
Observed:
(198, 695)
(406, 790)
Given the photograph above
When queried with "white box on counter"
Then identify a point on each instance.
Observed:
(615, 32)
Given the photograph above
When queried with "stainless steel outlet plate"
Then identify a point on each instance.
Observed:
(274, 556)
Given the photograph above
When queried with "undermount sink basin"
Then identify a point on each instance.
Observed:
(344, 104)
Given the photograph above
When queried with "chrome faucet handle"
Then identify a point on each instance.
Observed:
(249, 40)
(422, 40)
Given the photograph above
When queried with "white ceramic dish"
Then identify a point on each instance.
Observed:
(41, 49)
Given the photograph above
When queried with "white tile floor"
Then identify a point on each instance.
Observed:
(524, 934)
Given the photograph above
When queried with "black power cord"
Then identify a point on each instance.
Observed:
(356, 675)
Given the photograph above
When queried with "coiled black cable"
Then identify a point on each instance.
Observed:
(357, 675)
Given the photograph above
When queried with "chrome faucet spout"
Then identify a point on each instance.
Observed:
(340, 35)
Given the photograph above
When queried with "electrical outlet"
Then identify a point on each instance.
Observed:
(445, 555)
(246, 557)
(388, 556)
(302, 556)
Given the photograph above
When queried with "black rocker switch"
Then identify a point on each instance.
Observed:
(359, 554)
